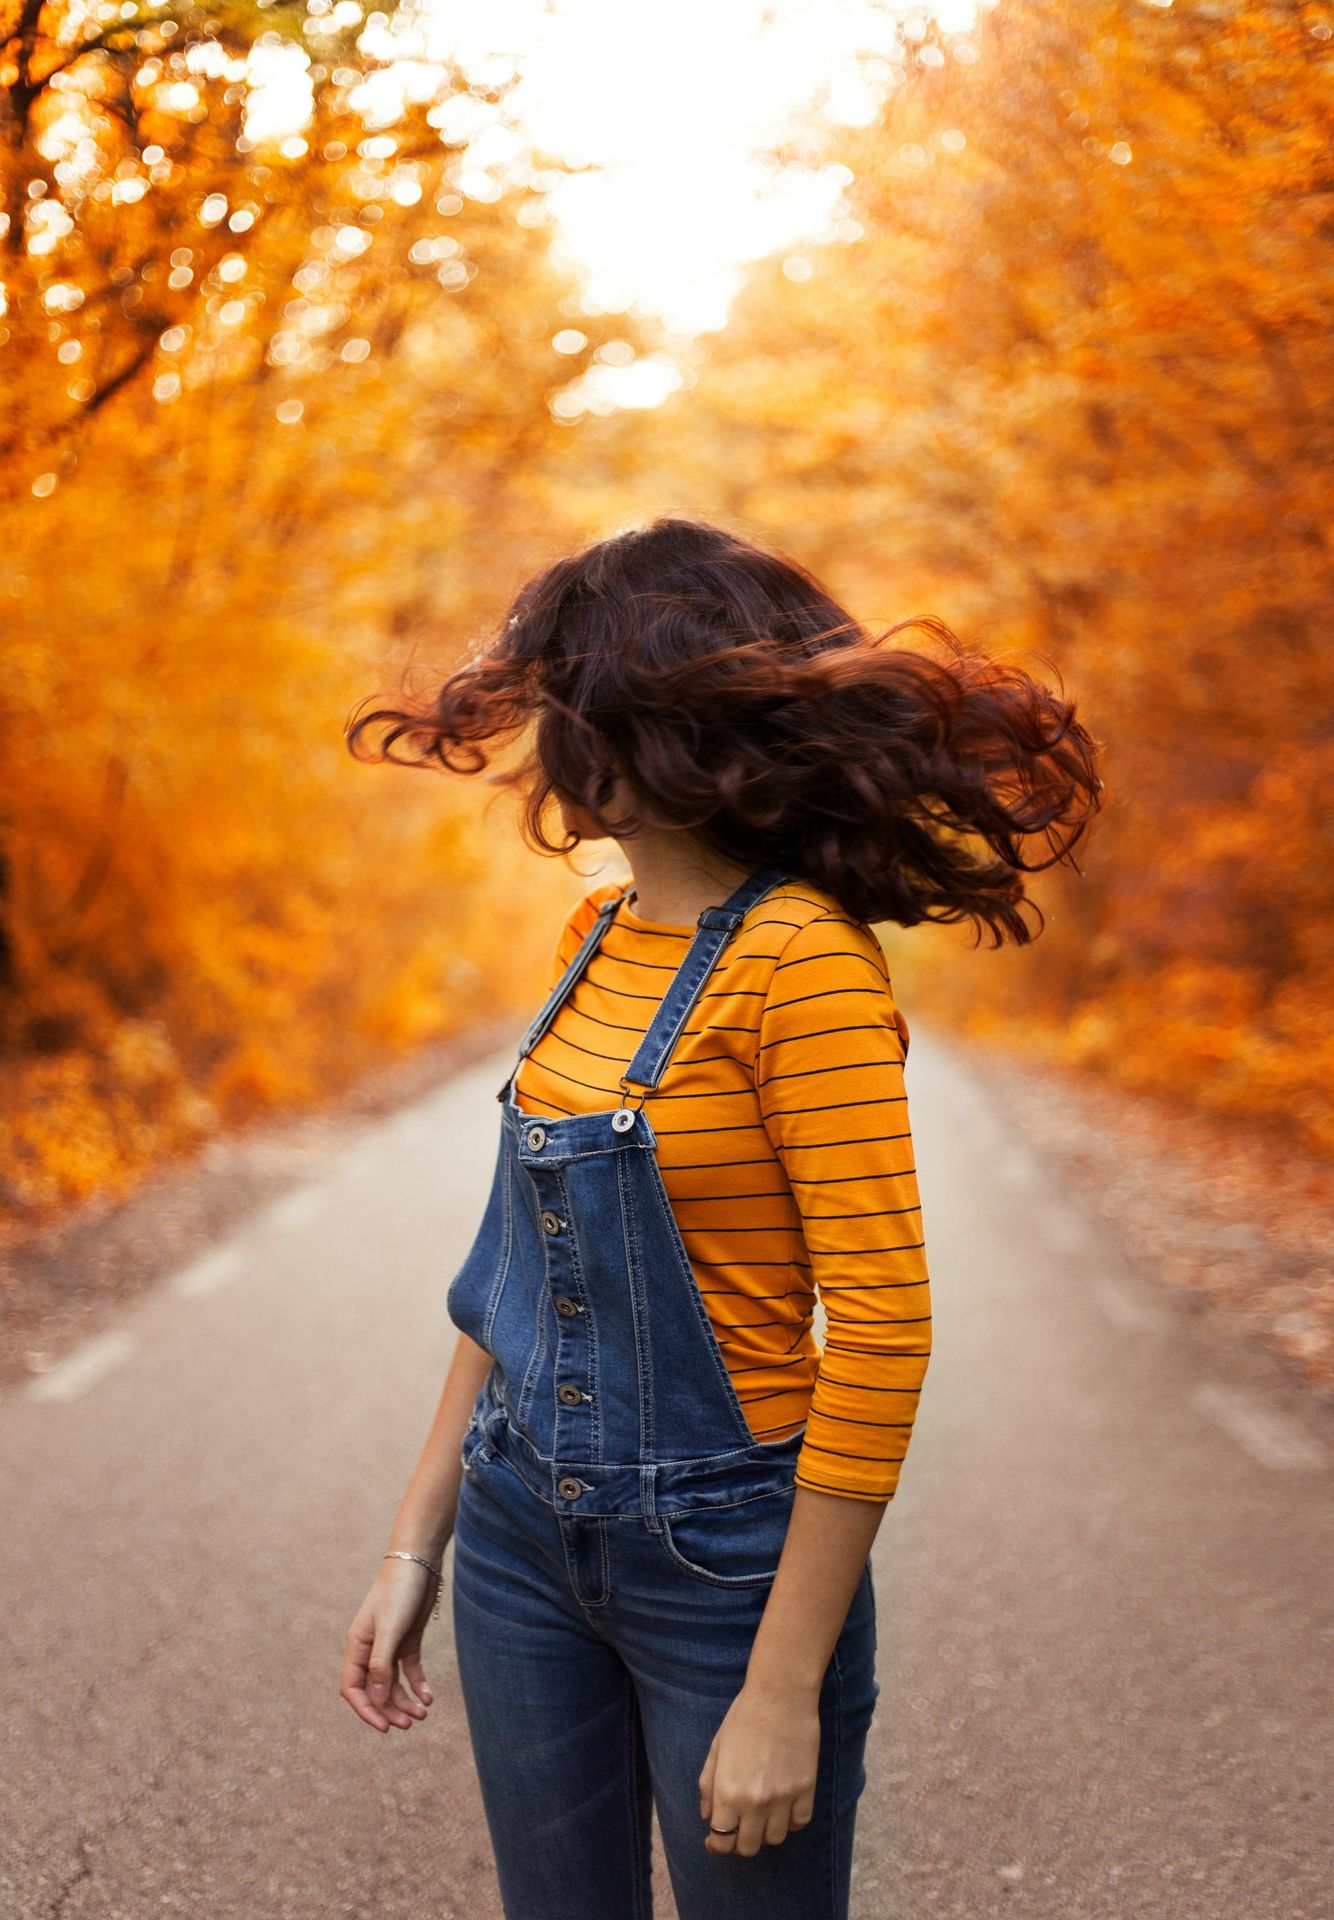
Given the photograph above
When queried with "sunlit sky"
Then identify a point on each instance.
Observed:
(698, 131)
(672, 104)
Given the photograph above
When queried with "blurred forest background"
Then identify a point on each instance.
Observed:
(300, 380)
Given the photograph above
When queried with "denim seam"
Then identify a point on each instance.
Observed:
(507, 1254)
(742, 1455)
(723, 1506)
(604, 1559)
(831, 1888)
(648, 1421)
(643, 1895)
(487, 1450)
(734, 1580)
(586, 1153)
(602, 1592)
(532, 1373)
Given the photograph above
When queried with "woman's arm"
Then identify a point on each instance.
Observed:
(388, 1628)
(425, 1518)
(828, 1543)
(829, 1074)
(761, 1769)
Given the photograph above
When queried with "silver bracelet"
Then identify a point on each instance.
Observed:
(397, 1553)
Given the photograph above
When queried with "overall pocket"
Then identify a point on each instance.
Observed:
(731, 1546)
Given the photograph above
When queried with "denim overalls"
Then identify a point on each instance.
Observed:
(619, 1527)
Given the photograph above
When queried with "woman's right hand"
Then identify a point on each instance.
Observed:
(386, 1635)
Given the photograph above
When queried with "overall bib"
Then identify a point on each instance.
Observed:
(619, 1527)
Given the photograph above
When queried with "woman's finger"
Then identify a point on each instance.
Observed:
(355, 1672)
(751, 1836)
(410, 1662)
(723, 1813)
(706, 1781)
(405, 1702)
(779, 1823)
(383, 1673)
(803, 1810)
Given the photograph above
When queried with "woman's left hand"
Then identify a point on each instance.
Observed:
(761, 1769)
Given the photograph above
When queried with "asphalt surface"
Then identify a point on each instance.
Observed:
(1106, 1587)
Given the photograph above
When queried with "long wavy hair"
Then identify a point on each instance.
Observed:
(735, 700)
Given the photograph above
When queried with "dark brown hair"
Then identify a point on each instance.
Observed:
(740, 703)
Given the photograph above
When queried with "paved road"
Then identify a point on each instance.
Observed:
(1105, 1587)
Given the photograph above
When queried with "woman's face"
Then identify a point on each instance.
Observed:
(574, 820)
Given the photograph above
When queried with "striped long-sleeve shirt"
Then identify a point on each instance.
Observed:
(785, 1150)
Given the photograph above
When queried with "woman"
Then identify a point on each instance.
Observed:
(662, 1490)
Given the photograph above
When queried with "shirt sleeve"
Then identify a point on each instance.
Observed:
(829, 1075)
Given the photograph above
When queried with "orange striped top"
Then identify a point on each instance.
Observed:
(784, 1145)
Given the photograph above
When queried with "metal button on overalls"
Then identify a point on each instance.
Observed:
(551, 1222)
(570, 1395)
(563, 1304)
(569, 1488)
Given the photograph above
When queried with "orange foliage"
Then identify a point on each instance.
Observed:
(251, 468)
(278, 417)
(1069, 389)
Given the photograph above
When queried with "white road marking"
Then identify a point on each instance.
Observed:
(296, 1209)
(1272, 1438)
(214, 1270)
(83, 1368)
(1123, 1309)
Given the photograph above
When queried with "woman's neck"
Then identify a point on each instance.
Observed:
(676, 878)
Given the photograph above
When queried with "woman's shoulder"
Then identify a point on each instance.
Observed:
(824, 949)
(585, 910)
(805, 921)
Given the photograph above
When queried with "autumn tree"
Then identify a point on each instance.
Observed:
(279, 370)
(1065, 380)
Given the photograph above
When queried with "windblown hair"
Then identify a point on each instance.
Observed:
(737, 701)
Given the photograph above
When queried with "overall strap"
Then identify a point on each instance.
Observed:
(592, 940)
(716, 925)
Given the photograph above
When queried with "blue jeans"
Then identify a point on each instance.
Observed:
(598, 1658)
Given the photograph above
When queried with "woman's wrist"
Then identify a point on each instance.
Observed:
(414, 1559)
(429, 1538)
(782, 1680)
